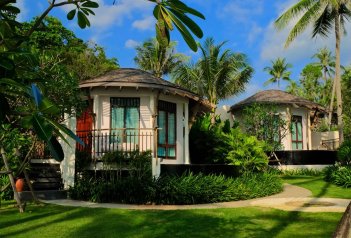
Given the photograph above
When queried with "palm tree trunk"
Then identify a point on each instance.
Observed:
(338, 78)
(331, 107)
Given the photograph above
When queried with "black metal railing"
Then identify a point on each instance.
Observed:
(100, 142)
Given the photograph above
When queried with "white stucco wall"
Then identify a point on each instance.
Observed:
(102, 109)
(318, 137)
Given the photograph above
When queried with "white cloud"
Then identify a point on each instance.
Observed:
(108, 14)
(131, 44)
(144, 24)
(254, 33)
(241, 11)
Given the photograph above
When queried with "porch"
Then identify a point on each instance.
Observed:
(102, 141)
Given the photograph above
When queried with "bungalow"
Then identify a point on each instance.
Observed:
(131, 109)
(299, 113)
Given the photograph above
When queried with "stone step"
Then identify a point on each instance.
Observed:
(43, 195)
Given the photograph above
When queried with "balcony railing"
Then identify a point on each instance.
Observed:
(99, 142)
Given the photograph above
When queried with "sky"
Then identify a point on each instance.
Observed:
(246, 26)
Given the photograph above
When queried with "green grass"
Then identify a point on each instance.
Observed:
(58, 221)
(318, 186)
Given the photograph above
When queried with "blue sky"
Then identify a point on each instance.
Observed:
(247, 26)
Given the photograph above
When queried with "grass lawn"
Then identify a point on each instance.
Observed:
(58, 221)
(318, 186)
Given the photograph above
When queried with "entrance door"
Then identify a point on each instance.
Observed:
(84, 130)
(296, 133)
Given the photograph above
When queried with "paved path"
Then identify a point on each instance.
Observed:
(293, 198)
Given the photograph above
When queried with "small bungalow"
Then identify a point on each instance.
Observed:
(299, 113)
(130, 109)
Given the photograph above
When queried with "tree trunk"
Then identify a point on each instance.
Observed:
(331, 107)
(338, 78)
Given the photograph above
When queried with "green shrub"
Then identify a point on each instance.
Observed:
(218, 143)
(339, 175)
(303, 172)
(344, 152)
(185, 189)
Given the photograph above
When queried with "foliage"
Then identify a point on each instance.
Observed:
(278, 71)
(265, 123)
(302, 172)
(217, 75)
(346, 89)
(170, 13)
(185, 189)
(157, 59)
(344, 152)
(244, 151)
(339, 175)
(218, 143)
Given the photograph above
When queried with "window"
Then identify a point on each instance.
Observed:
(167, 133)
(124, 119)
(296, 133)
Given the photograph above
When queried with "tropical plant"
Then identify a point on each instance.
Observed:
(278, 71)
(157, 59)
(344, 152)
(265, 123)
(326, 61)
(217, 75)
(324, 15)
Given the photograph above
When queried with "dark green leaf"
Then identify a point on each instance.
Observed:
(46, 106)
(6, 63)
(189, 23)
(90, 4)
(156, 12)
(56, 149)
(184, 8)
(81, 20)
(41, 127)
(12, 9)
(71, 14)
(184, 32)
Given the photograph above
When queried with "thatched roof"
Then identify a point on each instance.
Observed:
(277, 97)
(136, 78)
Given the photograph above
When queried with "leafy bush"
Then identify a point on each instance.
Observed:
(303, 172)
(344, 152)
(218, 143)
(185, 189)
(244, 151)
(339, 175)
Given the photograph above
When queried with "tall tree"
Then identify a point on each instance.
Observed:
(158, 59)
(217, 75)
(326, 61)
(279, 71)
(324, 15)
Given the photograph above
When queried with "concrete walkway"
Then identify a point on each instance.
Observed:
(293, 198)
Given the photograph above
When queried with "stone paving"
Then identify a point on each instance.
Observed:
(293, 198)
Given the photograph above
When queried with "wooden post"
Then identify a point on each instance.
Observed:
(12, 181)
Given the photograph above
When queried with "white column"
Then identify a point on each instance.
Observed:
(97, 112)
(68, 164)
(156, 167)
(309, 132)
(186, 133)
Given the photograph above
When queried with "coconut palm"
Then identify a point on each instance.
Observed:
(324, 15)
(278, 71)
(158, 60)
(217, 75)
(326, 61)
(293, 88)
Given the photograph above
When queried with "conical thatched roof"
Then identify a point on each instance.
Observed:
(136, 78)
(277, 97)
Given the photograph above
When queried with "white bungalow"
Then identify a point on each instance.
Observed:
(132, 109)
(299, 113)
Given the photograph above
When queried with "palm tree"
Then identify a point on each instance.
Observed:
(293, 88)
(158, 60)
(217, 75)
(323, 15)
(327, 63)
(278, 71)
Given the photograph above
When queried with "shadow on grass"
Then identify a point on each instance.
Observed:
(308, 180)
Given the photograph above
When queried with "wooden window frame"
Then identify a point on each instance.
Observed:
(168, 107)
(295, 120)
